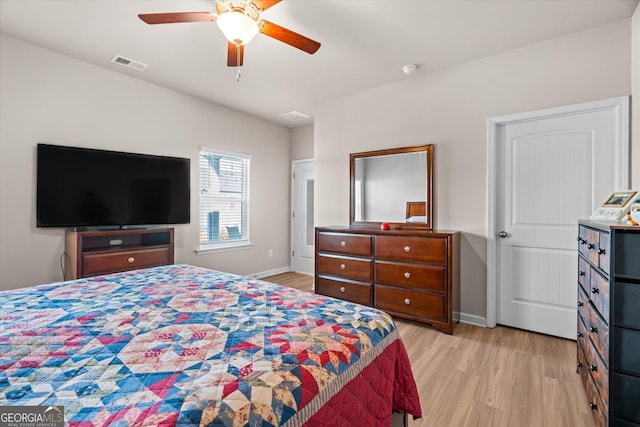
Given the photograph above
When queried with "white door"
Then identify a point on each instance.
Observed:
(302, 230)
(551, 171)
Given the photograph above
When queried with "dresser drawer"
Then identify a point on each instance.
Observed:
(414, 249)
(584, 273)
(625, 396)
(418, 276)
(349, 268)
(110, 262)
(598, 410)
(582, 367)
(350, 244)
(583, 304)
(627, 310)
(598, 372)
(413, 303)
(599, 294)
(591, 240)
(626, 352)
(582, 240)
(595, 245)
(350, 291)
(603, 250)
(583, 335)
(598, 332)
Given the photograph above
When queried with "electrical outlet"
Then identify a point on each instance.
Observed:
(270, 253)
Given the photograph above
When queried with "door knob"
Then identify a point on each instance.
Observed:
(503, 234)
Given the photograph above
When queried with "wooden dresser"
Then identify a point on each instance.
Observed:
(90, 253)
(408, 273)
(609, 321)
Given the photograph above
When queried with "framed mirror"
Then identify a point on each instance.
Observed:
(393, 186)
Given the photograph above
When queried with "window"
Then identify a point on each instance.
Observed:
(224, 199)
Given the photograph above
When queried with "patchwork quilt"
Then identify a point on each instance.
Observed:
(180, 345)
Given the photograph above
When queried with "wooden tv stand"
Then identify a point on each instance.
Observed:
(91, 253)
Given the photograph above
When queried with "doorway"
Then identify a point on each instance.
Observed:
(302, 228)
(546, 170)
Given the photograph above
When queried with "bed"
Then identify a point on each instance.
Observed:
(180, 345)
(416, 212)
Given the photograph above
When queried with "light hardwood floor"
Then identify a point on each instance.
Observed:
(488, 377)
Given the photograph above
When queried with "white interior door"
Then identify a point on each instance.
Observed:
(551, 171)
(302, 229)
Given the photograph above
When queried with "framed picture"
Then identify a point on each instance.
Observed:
(618, 199)
(616, 206)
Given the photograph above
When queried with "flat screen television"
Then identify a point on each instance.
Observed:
(87, 188)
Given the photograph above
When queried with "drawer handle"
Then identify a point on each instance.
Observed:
(342, 266)
(591, 246)
(407, 275)
(593, 329)
(593, 368)
(580, 303)
(593, 406)
(343, 243)
(580, 335)
(131, 260)
(595, 290)
(407, 248)
(407, 301)
(581, 273)
(601, 251)
(342, 289)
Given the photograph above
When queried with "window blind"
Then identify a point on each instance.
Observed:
(224, 198)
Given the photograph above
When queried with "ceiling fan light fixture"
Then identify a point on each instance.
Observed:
(237, 27)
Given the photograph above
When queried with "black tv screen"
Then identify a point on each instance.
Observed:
(82, 187)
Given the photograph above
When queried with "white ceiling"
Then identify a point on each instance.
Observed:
(364, 43)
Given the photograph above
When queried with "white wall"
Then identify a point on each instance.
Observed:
(48, 97)
(449, 108)
(635, 99)
(302, 142)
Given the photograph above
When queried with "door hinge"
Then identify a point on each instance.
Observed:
(293, 253)
(293, 214)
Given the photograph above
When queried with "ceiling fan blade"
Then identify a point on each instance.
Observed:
(264, 4)
(235, 54)
(175, 17)
(289, 37)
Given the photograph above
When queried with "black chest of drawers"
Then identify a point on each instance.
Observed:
(609, 321)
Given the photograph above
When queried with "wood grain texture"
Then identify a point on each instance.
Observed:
(488, 377)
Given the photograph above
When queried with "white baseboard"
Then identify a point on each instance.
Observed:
(472, 319)
(273, 272)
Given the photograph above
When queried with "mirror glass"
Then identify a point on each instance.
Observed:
(392, 186)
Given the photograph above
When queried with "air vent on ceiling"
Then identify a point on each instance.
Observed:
(294, 116)
(127, 62)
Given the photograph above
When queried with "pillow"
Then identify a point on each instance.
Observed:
(417, 219)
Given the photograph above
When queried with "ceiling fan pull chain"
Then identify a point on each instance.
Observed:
(238, 75)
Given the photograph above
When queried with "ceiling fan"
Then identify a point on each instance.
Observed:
(239, 21)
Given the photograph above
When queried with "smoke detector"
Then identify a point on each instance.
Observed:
(409, 69)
